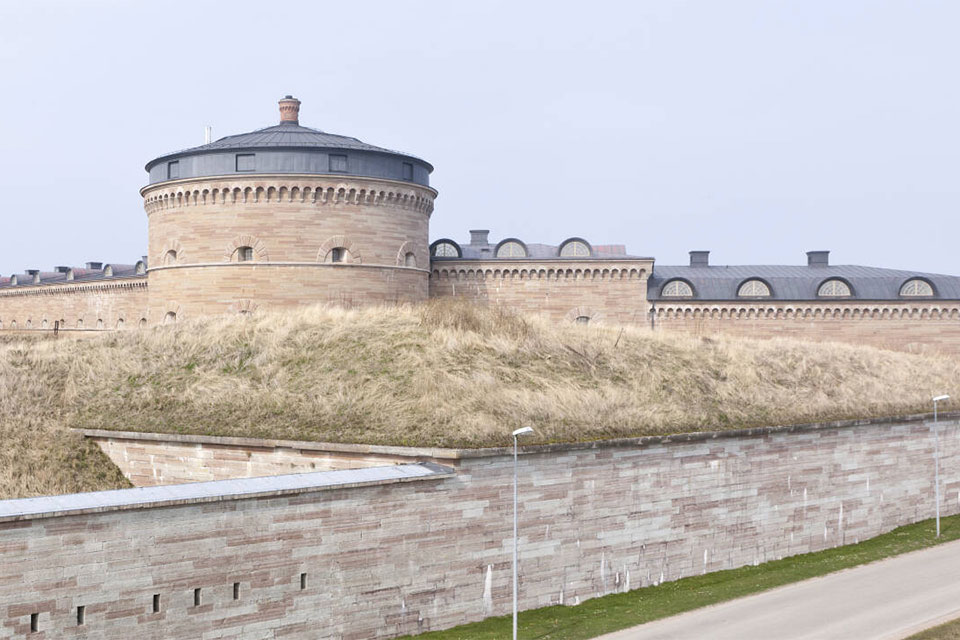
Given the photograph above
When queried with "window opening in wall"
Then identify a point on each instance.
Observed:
(583, 320)
(34, 622)
(410, 260)
(173, 170)
(108, 271)
(236, 590)
(170, 257)
(79, 323)
(408, 171)
(244, 254)
(156, 603)
(303, 581)
(338, 163)
(196, 597)
(170, 318)
(120, 323)
(142, 323)
(336, 254)
(99, 323)
(246, 162)
(81, 615)
(445, 250)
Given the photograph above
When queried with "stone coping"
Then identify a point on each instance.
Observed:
(215, 491)
(440, 453)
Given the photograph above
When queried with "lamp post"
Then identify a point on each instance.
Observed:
(936, 457)
(516, 434)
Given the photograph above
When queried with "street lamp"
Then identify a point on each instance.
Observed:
(516, 434)
(936, 457)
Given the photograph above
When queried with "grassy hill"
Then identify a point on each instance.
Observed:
(445, 374)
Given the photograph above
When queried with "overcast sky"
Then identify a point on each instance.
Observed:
(755, 129)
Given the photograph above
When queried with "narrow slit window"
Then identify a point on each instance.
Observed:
(236, 590)
(196, 597)
(34, 622)
(338, 163)
(408, 171)
(173, 170)
(81, 615)
(156, 603)
(303, 581)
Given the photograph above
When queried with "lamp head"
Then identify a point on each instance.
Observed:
(941, 398)
(523, 431)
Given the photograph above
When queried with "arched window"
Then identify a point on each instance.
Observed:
(754, 289)
(445, 249)
(120, 323)
(677, 289)
(244, 254)
(99, 323)
(834, 289)
(511, 249)
(43, 323)
(108, 271)
(142, 324)
(409, 259)
(575, 248)
(141, 268)
(582, 320)
(70, 274)
(79, 323)
(337, 254)
(13, 280)
(916, 288)
(170, 318)
(29, 323)
(170, 257)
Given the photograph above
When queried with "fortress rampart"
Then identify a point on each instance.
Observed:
(341, 557)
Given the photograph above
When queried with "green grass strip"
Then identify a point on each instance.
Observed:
(622, 610)
(949, 631)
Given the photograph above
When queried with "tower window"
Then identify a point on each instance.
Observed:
(408, 171)
(336, 254)
(338, 163)
(173, 170)
(246, 162)
(244, 254)
(156, 603)
(170, 257)
(410, 260)
(583, 320)
(170, 318)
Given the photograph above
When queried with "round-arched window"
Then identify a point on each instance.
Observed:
(916, 288)
(244, 254)
(677, 289)
(575, 248)
(108, 271)
(511, 249)
(834, 289)
(409, 259)
(337, 255)
(170, 257)
(445, 249)
(754, 289)
(582, 320)
(170, 318)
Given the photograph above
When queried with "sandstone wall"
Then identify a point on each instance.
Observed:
(917, 327)
(612, 291)
(100, 305)
(388, 560)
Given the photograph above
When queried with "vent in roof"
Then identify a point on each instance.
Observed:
(479, 236)
(699, 258)
(95, 265)
(818, 258)
(61, 269)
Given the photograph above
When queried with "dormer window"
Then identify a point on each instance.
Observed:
(916, 288)
(834, 289)
(575, 248)
(677, 289)
(754, 289)
(445, 249)
(108, 271)
(511, 249)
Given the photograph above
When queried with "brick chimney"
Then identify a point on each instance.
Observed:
(699, 258)
(818, 258)
(289, 110)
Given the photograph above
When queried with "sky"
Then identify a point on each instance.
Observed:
(758, 130)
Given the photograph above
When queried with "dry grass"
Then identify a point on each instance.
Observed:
(447, 374)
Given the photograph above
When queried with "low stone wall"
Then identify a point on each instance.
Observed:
(149, 459)
(385, 560)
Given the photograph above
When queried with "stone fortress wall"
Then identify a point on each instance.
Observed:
(385, 559)
(100, 305)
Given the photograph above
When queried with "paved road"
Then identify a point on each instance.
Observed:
(886, 600)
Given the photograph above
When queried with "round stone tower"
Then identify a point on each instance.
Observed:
(285, 216)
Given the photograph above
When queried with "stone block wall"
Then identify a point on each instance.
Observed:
(111, 305)
(613, 291)
(387, 560)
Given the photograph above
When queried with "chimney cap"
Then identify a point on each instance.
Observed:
(33, 272)
(699, 258)
(818, 258)
(479, 236)
(61, 269)
(95, 265)
(289, 110)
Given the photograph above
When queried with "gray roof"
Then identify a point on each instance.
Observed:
(289, 147)
(80, 274)
(484, 250)
(95, 501)
(797, 282)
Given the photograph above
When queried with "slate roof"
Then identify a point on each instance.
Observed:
(536, 251)
(286, 135)
(80, 274)
(797, 282)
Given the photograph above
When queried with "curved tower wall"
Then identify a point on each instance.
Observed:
(292, 222)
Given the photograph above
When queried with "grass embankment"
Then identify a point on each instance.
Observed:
(445, 374)
(948, 631)
(620, 611)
